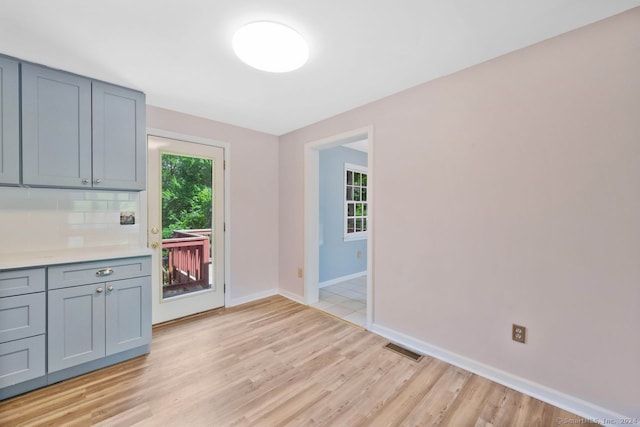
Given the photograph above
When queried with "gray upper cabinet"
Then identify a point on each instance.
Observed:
(80, 133)
(56, 128)
(119, 146)
(9, 122)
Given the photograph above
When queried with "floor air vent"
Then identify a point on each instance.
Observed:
(403, 351)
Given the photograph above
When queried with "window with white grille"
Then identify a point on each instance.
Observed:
(355, 202)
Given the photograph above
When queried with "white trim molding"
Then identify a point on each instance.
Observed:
(293, 297)
(580, 407)
(341, 279)
(232, 302)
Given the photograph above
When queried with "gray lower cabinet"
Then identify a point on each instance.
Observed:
(9, 122)
(92, 321)
(22, 326)
(64, 320)
(128, 314)
(21, 360)
(76, 326)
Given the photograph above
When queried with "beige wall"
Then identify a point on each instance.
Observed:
(253, 198)
(508, 192)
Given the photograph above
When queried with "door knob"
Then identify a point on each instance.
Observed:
(155, 245)
(110, 288)
(99, 290)
(154, 230)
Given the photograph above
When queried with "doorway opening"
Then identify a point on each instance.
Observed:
(338, 233)
(186, 214)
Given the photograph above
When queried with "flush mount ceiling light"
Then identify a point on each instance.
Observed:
(269, 46)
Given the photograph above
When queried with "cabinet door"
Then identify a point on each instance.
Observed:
(128, 305)
(9, 123)
(119, 143)
(75, 326)
(56, 128)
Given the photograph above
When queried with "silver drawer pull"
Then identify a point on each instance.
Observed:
(110, 288)
(104, 272)
(99, 290)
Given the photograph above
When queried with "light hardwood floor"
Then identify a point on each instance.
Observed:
(270, 363)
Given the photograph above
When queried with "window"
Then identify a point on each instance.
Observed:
(355, 202)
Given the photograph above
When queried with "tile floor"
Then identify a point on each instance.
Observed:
(347, 300)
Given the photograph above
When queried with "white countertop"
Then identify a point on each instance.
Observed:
(64, 256)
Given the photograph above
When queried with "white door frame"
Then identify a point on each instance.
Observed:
(227, 199)
(312, 212)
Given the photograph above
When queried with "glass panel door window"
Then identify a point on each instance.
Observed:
(355, 202)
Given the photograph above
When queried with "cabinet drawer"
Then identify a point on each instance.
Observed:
(22, 316)
(18, 282)
(21, 360)
(64, 276)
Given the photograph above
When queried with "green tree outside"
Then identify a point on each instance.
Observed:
(186, 193)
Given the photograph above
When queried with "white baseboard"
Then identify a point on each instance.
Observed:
(250, 298)
(342, 279)
(564, 401)
(292, 296)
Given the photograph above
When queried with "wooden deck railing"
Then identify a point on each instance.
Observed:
(186, 259)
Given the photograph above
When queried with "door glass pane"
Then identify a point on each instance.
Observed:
(187, 206)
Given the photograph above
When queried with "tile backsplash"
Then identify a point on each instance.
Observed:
(41, 219)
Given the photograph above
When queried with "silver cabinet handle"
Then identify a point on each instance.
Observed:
(99, 290)
(97, 181)
(85, 181)
(104, 272)
(110, 288)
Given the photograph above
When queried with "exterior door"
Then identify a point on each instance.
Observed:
(186, 227)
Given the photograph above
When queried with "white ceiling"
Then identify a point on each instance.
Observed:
(179, 52)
